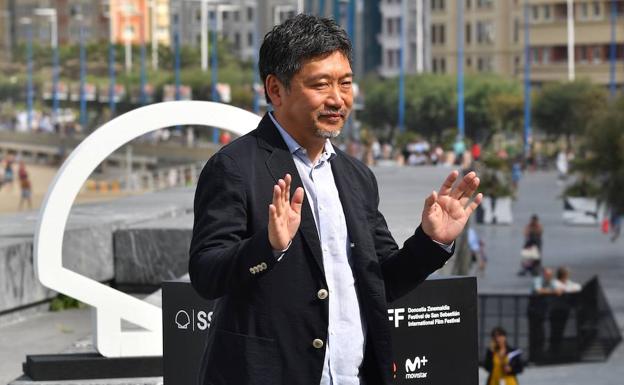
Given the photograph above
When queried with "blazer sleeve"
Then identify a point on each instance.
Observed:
(405, 268)
(489, 362)
(223, 255)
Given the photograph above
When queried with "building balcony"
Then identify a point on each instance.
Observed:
(389, 41)
(590, 32)
(388, 72)
(598, 73)
(390, 9)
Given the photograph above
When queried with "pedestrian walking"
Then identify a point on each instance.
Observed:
(532, 250)
(26, 192)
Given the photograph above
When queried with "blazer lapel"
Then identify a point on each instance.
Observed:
(351, 201)
(280, 163)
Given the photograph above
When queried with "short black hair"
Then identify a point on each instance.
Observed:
(289, 45)
(498, 331)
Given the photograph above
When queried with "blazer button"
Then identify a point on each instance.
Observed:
(317, 343)
(322, 294)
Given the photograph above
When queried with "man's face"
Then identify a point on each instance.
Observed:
(319, 99)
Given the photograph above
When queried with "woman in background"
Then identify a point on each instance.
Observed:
(502, 361)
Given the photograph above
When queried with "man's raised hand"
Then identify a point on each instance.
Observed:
(446, 212)
(284, 214)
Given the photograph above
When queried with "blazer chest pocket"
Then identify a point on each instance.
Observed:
(239, 359)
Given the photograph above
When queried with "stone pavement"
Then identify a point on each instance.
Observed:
(402, 191)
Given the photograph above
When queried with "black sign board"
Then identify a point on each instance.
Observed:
(434, 332)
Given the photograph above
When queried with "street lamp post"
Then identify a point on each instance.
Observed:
(77, 13)
(527, 81)
(460, 69)
(143, 75)
(401, 119)
(612, 49)
(29, 85)
(154, 8)
(214, 70)
(83, 76)
(570, 23)
(256, 77)
(204, 35)
(51, 13)
(29, 68)
(111, 67)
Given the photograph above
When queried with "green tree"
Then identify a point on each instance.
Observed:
(568, 108)
(431, 104)
(604, 156)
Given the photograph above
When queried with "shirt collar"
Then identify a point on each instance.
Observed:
(295, 147)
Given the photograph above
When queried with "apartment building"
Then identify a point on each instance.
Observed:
(235, 20)
(41, 15)
(592, 38)
(491, 32)
(418, 21)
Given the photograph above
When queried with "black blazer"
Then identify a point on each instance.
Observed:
(268, 312)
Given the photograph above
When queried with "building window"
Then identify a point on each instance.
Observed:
(597, 11)
(468, 33)
(584, 11)
(516, 30)
(250, 39)
(468, 62)
(237, 40)
(468, 4)
(389, 26)
(390, 58)
(546, 55)
(484, 64)
(434, 65)
(547, 14)
(437, 34)
(485, 32)
(442, 65)
(437, 5)
(582, 54)
(236, 16)
(534, 13)
(535, 55)
(484, 3)
(597, 54)
(250, 14)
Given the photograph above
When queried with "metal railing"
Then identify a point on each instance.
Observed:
(552, 329)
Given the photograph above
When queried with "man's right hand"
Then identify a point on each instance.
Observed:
(284, 215)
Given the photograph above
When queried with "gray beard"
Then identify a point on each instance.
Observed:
(326, 134)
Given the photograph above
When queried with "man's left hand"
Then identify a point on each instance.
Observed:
(446, 212)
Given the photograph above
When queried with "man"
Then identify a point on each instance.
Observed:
(303, 283)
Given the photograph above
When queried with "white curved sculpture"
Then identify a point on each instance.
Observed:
(110, 305)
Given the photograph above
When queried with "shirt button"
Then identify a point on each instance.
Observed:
(317, 343)
(322, 294)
